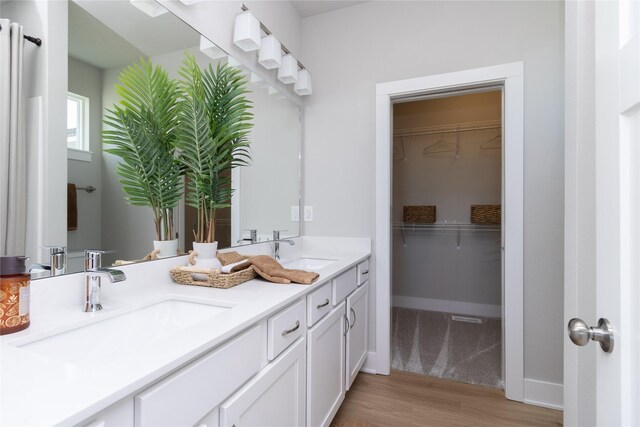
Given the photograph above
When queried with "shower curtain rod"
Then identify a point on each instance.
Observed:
(34, 40)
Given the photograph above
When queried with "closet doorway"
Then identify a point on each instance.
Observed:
(447, 236)
(510, 77)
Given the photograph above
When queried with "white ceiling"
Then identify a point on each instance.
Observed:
(314, 7)
(100, 36)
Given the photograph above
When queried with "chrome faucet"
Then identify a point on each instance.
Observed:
(57, 261)
(93, 271)
(253, 236)
(276, 243)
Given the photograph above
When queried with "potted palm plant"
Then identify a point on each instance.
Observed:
(212, 139)
(142, 133)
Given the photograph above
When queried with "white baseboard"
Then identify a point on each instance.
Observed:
(369, 365)
(457, 307)
(541, 393)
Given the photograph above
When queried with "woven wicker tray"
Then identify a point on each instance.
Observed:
(215, 279)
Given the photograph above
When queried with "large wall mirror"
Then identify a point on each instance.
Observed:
(105, 37)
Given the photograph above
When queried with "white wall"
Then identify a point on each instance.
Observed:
(45, 74)
(86, 80)
(429, 264)
(350, 50)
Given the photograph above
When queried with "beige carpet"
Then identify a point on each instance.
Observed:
(432, 343)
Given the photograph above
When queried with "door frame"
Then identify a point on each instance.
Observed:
(511, 78)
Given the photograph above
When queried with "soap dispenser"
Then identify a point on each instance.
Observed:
(14, 294)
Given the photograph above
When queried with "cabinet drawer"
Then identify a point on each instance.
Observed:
(343, 285)
(318, 304)
(285, 327)
(186, 396)
(363, 272)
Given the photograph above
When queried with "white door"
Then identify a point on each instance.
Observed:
(610, 390)
(357, 334)
(325, 367)
(275, 397)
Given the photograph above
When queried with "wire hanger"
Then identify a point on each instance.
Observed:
(397, 155)
(494, 143)
(442, 146)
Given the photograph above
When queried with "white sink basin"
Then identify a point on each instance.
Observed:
(312, 264)
(119, 337)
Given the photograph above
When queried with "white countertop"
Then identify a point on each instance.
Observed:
(39, 390)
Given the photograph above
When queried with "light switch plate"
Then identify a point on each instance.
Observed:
(295, 213)
(308, 213)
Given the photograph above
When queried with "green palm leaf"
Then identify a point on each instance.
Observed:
(141, 131)
(213, 136)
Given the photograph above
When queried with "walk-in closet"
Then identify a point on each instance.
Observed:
(447, 228)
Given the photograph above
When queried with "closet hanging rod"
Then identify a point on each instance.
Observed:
(34, 40)
(439, 130)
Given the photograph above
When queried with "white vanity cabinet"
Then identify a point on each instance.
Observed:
(337, 343)
(357, 335)
(325, 367)
(186, 396)
(275, 397)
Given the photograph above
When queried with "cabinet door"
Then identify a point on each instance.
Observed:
(275, 397)
(326, 370)
(357, 312)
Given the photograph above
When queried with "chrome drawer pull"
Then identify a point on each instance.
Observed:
(354, 318)
(326, 303)
(364, 272)
(346, 327)
(295, 328)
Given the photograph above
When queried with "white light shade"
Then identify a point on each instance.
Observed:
(270, 53)
(233, 62)
(303, 85)
(288, 71)
(246, 32)
(210, 49)
(150, 7)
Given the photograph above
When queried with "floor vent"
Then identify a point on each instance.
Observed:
(466, 319)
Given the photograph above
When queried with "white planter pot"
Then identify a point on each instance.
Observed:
(205, 250)
(168, 248)
(205, 258)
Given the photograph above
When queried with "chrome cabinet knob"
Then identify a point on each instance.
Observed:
(581, 333)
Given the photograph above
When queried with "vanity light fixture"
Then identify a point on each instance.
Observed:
(210, 49)
(303, 86)
(233, 62)
(150, 7)
(288, 71)
(270, 52)
(246, 32)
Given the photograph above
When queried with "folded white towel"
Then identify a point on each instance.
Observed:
(227, 268)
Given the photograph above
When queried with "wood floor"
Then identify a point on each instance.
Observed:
(405, 399)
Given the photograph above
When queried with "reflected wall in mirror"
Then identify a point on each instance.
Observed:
(105, 37)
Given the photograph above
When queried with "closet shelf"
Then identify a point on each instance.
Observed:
(453, 128)
(446, 226)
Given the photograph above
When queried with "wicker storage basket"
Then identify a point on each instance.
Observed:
(215, 279)
(419, 214)
(486, 214)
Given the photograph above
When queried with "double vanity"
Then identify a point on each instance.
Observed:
(163, 354)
